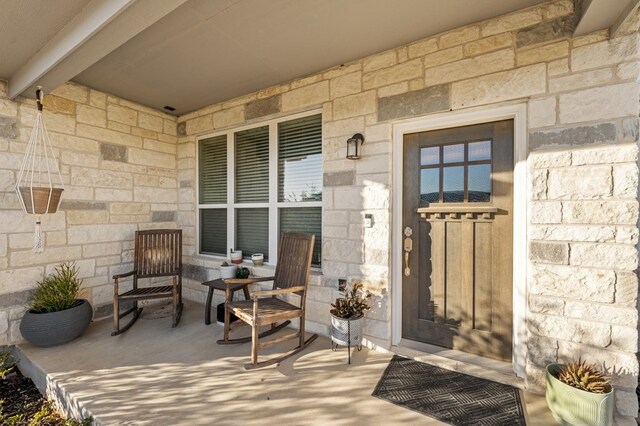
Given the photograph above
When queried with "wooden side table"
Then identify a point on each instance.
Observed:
(234, 284)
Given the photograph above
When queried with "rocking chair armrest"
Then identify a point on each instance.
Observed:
(128, 274)
(256, 294)
(261, 279)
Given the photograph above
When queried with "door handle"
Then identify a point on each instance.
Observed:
(408, 246)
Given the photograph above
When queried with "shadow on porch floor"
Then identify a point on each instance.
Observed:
(156, 375)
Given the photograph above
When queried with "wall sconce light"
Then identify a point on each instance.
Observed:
(354, 146)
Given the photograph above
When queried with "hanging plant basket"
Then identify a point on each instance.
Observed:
(40, 200)
(39, 183)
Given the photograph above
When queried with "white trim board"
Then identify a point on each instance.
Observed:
(517, 112)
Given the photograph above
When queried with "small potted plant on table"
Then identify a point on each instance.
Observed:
(347, 317)
(227, 271)
(578, 393)
(57, 314)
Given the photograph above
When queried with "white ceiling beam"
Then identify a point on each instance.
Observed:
(602, 14)
(630, 11)
(100, 28)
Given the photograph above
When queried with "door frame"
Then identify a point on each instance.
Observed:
(517, 112)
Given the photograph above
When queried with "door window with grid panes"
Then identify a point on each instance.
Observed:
(257, 182)
(456, 173)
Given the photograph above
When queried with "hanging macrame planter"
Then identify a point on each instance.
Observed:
(35, 185)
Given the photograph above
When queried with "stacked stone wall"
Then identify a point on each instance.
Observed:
(118, 164)
(127, 167)
(582, 96)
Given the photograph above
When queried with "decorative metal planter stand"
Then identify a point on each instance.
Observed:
(35, 188)
(346, 332)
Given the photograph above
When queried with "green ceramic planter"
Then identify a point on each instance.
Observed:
(571, 406)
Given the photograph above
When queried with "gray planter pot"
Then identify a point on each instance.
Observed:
(571, 406)
(55, 328)
(343, 328)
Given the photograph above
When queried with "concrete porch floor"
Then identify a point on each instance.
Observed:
(156, 375)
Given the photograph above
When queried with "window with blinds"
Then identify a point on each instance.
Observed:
(307, 220)
(213, 170)
(273, 184)
(213, 231)
(252, 165)
(252, 231)
(300, 159)
(300, 176)
(212, 184)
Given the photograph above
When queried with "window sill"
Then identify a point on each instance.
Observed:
(265, 270)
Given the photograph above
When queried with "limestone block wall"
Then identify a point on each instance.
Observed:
(582, 96)
(582, 281)
(118, 163)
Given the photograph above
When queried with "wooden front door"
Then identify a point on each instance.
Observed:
(457, 238)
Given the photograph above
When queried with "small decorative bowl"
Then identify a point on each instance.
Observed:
(236, 257)
(257, 259)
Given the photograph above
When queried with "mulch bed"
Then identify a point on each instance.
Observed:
(22, 404)
(19, 397)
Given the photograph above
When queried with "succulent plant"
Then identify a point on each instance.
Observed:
(242, 272)
(354, 304)
(224, 264)
(587, 377)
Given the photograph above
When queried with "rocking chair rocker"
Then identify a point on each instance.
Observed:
(158, 253)
(265, 308)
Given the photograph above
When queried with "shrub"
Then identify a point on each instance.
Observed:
(58, 291)
(7, 364)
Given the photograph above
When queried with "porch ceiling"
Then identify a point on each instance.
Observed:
(25, 26)
(210, 51)
(192, 53)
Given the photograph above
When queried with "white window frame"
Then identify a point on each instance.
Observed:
(273, 204)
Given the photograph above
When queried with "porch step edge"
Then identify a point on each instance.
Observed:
(30, 368)
(64, 401)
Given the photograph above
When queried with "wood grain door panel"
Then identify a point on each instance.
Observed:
(459, 292)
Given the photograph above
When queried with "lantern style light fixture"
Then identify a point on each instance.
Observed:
(354, 146)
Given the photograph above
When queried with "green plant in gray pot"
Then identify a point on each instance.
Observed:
(57, 314)
(578, 393)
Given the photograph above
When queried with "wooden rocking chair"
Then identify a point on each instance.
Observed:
(265, 308)
(158, 253)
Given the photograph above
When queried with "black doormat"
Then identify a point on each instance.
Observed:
(448, 396)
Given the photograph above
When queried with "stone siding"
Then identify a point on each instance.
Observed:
(122, 164)
(118, 162)
(582, 96)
